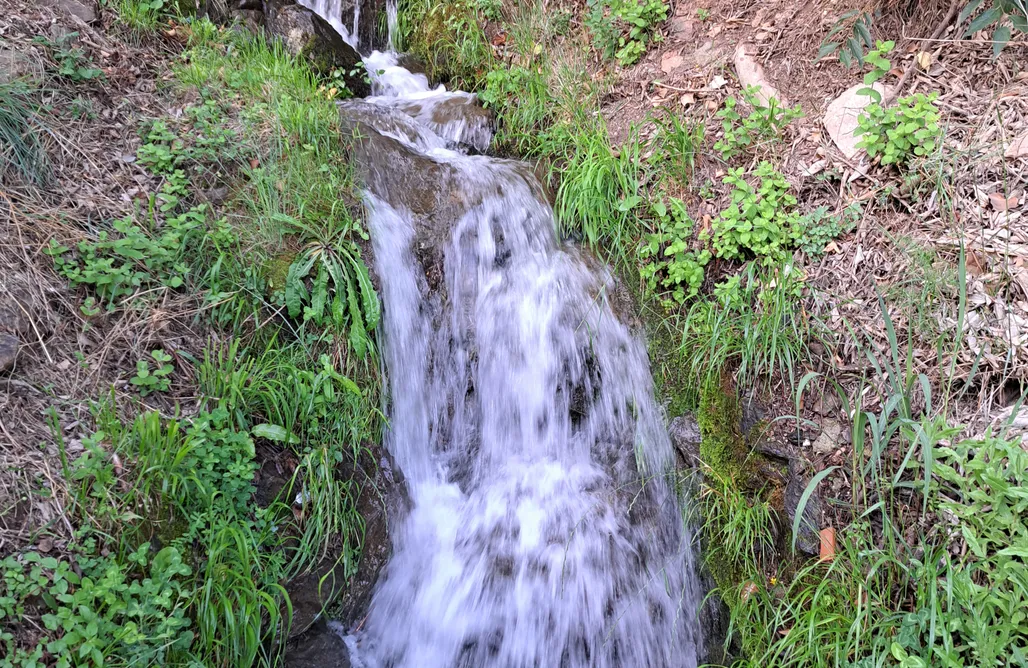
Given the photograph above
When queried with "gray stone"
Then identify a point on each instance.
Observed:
(684, 432)
(251, 19)
(8, 351)
(808, 539)
(84, 10)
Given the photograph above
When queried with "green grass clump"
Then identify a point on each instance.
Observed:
(21, 153)
(447, 38)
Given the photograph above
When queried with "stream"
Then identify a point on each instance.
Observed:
(543, 530)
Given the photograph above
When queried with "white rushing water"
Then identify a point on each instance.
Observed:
(542, 532)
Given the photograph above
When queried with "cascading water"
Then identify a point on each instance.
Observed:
(542, 531)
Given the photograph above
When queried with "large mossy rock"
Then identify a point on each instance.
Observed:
(306, 34)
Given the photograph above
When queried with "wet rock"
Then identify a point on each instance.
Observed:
(84, 10)
(383, 499)
(8, 351)
(456, 117)
(322, 647)
(808, 539)
(684, 432)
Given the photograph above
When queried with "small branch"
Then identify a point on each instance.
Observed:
(939, 29)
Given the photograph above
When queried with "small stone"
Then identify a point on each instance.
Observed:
(8, 351)
(751, 73)
(670, 62)
(828, 441)
(683, 28)
(81, 9)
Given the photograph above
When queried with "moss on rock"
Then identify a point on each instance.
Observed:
(723, 448)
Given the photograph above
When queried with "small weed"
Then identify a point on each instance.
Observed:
(909, 128)
(880, 66)
(761, 125)
(143, 16)
(118, 265)
(622, 29)
(851, 51)
(818, 227)
(668, 265)
(20, 149)
(702, 13)
(71, 60)
(998, 13)
(153, 380)
(760, 221)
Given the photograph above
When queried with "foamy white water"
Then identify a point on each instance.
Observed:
(542, 531)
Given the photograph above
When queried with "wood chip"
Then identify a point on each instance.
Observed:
(827, 544)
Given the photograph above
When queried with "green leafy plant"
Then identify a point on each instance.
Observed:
(622, 29)
(818, 227)
(98, 612)
(998, 13)
(880, 66)
(702, 13)
(153, 380)
(762, 124)
(668, 265)
(71, 60)
(760, 220)
(910, 127)
(117, 265)
(142, 15)
(851, 51)
(328, 283)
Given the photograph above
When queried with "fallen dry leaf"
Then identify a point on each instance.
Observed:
(687, 99)
(670, 62)
(832, 247)
(1001, 202)
(748, 589)
(924, 59)
(717, 82)
(1018, 148)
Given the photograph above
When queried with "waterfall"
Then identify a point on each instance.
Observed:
(543, 531)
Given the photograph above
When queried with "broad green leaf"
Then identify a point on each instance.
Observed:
(967, 11)
(1000, 37)
(986, 19)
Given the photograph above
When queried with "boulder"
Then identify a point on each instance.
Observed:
(306, 34)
